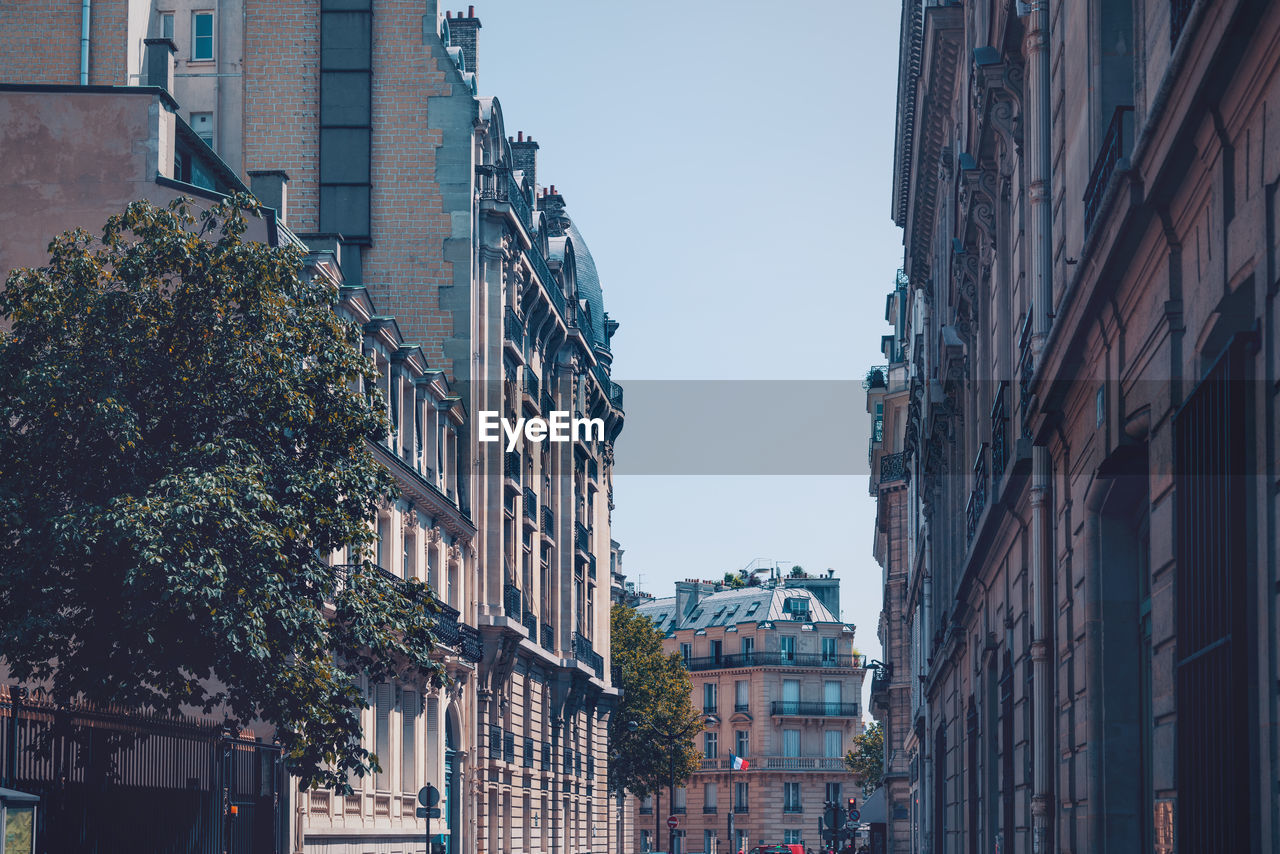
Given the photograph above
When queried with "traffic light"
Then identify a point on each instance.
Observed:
(853, 804)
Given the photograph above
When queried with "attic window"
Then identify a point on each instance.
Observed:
(697, 615)
(798, 608)
(732, 611)
(752, 609)
(717, 614)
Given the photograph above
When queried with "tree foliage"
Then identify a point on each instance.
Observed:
(866, 757)
(734, 580)
(183, 440)
(657, 696)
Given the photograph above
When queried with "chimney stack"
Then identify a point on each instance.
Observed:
(552, 206)
(157, 65)
(524, 157)
(462, 33)
(271, 188)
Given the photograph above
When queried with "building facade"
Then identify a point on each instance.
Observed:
(887, 398)
(1087, 556)
(360, 126)
(779, 683)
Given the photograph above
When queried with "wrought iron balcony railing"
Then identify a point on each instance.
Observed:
(893, 467)
(530, 623)
(513, 328)
(530, 503)
(615, 396)
(999, 434)
(583, 651)
(801, 763)
(1114, 147)
(773, 659)
(548, 637)
(530, 382)
(511, 601)
(548, 521)
(581, 538)
(978, 496)
(472, 649)
(805, 709)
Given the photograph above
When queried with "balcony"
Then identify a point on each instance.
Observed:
(681, 810)
(774, 659)
(581, 539)
(1026, 363)
(999, 435)
(472, 649)
(512, 470)
(646, 810)
(547, 403)
(802, 763)
(709, 809)
(795, 709)
(530, 384)
(978, 496)
(583, 651)
(511, 602)
(513, 332)
(446, 628)
(741, 808)
(742, 707)
(530, 623)
(1113, 150)
(893, 467)
(548, 637)
(615, 396)
(548, 523)
(709, 708)
(530, 507)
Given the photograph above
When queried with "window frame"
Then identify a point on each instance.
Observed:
(197, 14)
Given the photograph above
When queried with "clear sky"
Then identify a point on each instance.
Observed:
(729, 163)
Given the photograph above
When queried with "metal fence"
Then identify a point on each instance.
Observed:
(114, 781)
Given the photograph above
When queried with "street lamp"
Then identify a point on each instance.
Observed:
(669, 738)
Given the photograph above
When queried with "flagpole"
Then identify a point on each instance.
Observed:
(732, 845)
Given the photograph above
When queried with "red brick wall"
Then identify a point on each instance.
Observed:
(282, 99)
(405, 267)
(108, 43)
(39, 42)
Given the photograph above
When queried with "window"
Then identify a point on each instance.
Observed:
(707, 840)
(828, 651)
(831, 695)
(409, 706)
(202, 124)
(832, 744)
(791, 695)
(787, 646)
(742, 743)
(682, 801)
(382, 735)
(712, 750)
(740, 793)
(748, 648)
(166, 25)
(709, 698)
(791, 742)
(646, 842)
(833, 793)
(741, 695)
(716, 648)
(797, 608)
(686, 650)
(201, 36)
(709, 799)
(646, 805)
(791, 836)
(791, 797)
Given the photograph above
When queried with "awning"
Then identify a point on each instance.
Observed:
(872, 810)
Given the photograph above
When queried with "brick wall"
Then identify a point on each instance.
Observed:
(108, 43)
(39, 42)
(282, 99)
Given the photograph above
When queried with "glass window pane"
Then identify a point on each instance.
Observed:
(19, 830)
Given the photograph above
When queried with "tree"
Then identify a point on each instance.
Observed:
(184, 439)
(797, 571)
(866, 757)
(734, 580)
(656, 695)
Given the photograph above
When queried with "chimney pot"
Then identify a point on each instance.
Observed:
(271, 187)
(553, 189)
(158, 64)
(449, 15)
(520, 135)
(471, 11)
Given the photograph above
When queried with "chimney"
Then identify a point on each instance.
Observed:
(157, 65)
(552, 205)
(524, 157)
(271, 187)
(462, 33)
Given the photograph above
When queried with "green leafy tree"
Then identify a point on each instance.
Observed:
(184, 437)
(734, 580)
(797, 571)
(657, 696)
(866, 757)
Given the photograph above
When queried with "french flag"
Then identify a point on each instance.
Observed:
(739, 764)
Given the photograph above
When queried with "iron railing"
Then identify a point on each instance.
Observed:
(511, 601)
(530, 623)
(513, 465)
(893, 467)
(446, 625)
(548, 405)
(581, 538)
(802, 763)
(774, 659)
(793, 708)
(548, 637)
(583, 651)
(1113, 149)
(516, 196)
(999, 434)
(472, 649)
(978, 496)
(548, 521)
(615, 396)
(513, 328)
(530, 504)
(530, 382)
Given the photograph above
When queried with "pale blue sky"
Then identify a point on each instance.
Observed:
(729, 164)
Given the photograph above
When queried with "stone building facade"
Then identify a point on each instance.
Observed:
(1089, 537)
(359, 124)
(779, 683)
(887, 399)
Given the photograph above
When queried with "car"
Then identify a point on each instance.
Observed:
(788, 848)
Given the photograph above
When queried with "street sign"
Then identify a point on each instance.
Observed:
(428, 812)
(428, 795)
(854, 815)
(672, 823)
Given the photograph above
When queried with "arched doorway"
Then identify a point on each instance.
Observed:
(452, 787)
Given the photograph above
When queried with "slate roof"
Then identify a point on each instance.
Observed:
(732, 607)
(588, 283)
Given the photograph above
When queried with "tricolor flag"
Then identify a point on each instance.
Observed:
(739, 764)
